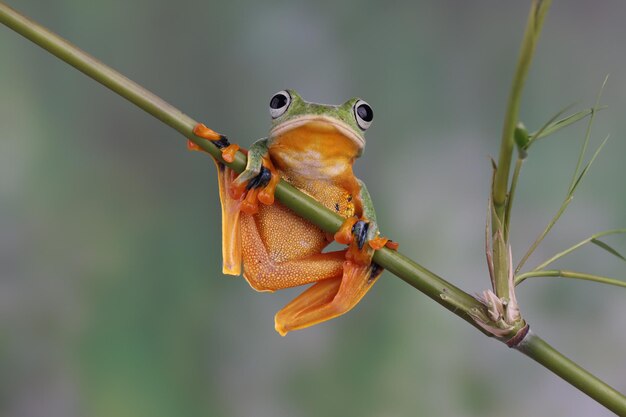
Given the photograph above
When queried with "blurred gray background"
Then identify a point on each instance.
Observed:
(112, 301)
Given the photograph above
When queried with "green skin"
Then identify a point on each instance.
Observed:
(344, 114)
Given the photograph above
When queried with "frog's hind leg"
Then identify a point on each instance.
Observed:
(267, 270)
(327, 299)
(231, 222)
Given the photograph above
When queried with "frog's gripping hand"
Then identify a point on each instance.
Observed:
(228, 150)
(258, 181)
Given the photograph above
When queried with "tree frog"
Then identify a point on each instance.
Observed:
(313, 147)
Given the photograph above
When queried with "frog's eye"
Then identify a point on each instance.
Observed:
(363, 114)
(279, 103)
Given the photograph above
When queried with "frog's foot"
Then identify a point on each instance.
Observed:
(355, 230)
(329, 298)
(228, 150)
(257, 187)
(266, 195)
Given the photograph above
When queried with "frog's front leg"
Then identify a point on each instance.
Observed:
(258, 180)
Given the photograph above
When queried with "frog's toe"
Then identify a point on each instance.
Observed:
(228, 153)
(204, 132)
(381, 242)
(254, 189)
(344, 234)
(250, 204)
(266, 195)
(264, 184)
(228, 150)
(193, 146)
(353, 230)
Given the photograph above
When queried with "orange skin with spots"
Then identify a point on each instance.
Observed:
(279, 249)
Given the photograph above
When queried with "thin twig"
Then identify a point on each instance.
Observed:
(569, 274)
(578, 245)
(583, 150)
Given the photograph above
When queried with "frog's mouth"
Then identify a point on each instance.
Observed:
(322, 125)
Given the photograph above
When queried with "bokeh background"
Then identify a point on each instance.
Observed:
(112, 301)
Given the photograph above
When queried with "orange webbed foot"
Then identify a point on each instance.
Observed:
(228, 150)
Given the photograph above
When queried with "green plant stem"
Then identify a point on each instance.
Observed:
(537, 349)
(569, 274)
(509, 203)
(444, 293)
(501, 260)
(538, 11)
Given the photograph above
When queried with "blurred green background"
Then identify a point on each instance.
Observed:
(112, 301)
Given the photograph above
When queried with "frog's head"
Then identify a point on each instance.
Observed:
(294, 117)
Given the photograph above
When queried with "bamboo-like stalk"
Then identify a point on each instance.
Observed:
(538, 11)
(502, 201)
(537, 349)
(435, 287)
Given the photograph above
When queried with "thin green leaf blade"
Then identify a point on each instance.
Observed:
(533, 136)
(586, 168)
(608, 248)
(583, 149)
(555, 126)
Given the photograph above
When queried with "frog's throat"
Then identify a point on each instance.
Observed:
(325, 121)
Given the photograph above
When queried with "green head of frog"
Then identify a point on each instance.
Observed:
(337, 126)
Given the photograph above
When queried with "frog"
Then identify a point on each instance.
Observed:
(312, 146)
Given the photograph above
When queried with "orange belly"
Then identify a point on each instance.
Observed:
(280, 249)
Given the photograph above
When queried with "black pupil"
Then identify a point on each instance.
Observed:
(278, 101)
(365, 112)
